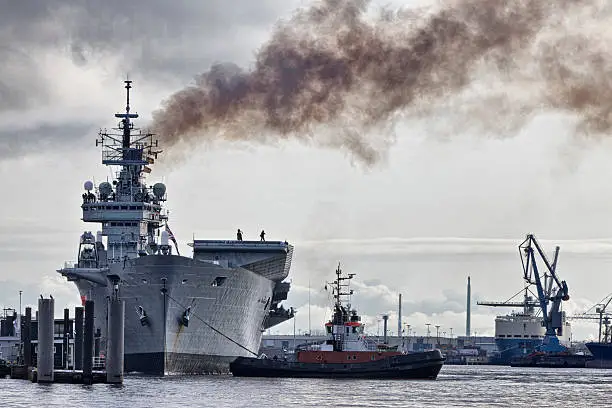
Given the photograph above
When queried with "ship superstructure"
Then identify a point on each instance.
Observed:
(183, 314)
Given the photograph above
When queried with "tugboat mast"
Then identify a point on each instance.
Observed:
(341, 315)
(339, 287)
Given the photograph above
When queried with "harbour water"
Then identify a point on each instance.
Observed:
(456, 386)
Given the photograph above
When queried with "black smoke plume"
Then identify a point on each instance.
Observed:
(335, 76)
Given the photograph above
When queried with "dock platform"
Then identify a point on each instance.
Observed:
(59, 376)
(74, 377)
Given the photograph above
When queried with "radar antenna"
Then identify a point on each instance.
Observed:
(125, 123)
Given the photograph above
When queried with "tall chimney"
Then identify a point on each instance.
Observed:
(399, 317)
(385, 318)
(468, 314)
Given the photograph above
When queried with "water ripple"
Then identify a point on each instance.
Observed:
(457, 386)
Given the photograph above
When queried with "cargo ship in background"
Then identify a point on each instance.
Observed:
(347, 352)
(521, 335)
(602, 348)
(602, 353)
(518, 334)
(183, 314)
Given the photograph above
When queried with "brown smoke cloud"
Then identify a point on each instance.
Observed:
(335, 77)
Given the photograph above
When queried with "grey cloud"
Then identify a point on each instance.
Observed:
(65, 295)
(384, 299)
(455, 246)
(154, 41)
(20, 81)
(151, 37)
(18, 142)
(372, 297)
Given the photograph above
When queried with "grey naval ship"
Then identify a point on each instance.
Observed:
(184, 315)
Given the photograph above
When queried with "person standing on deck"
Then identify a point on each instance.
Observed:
(262, 235)
(239, 235)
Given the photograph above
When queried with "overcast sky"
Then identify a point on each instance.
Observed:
(436, 211)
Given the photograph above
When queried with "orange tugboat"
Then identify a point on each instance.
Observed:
(347, 353)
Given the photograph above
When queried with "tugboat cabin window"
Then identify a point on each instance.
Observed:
(329, 329)
(348, 330)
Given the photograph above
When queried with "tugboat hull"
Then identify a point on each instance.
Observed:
(418, 366)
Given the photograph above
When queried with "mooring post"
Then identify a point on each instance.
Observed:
(44, 362)
(88, 338)
(66, 339)
(78, 338)
(114, 342)
(27, 339)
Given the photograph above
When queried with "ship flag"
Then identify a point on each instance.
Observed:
(171, 236)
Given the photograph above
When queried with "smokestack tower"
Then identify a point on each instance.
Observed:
(385, 318)
(468, 314)
(399, 317)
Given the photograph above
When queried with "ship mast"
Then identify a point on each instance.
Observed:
(341, 313)
(338, 291)
(130, 212)
(341, 317)
(125, 124)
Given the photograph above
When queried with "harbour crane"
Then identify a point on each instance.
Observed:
(602, 315)
(551, 291)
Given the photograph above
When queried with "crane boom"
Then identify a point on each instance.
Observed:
(548, 293)
(506, 304)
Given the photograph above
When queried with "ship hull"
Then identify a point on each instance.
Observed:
(160, 364)
(418, 366)
(551, 361)
(513, 349)
(226, 307)
(602, 355)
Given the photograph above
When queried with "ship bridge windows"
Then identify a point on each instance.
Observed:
(113, 207)
(123, 224)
